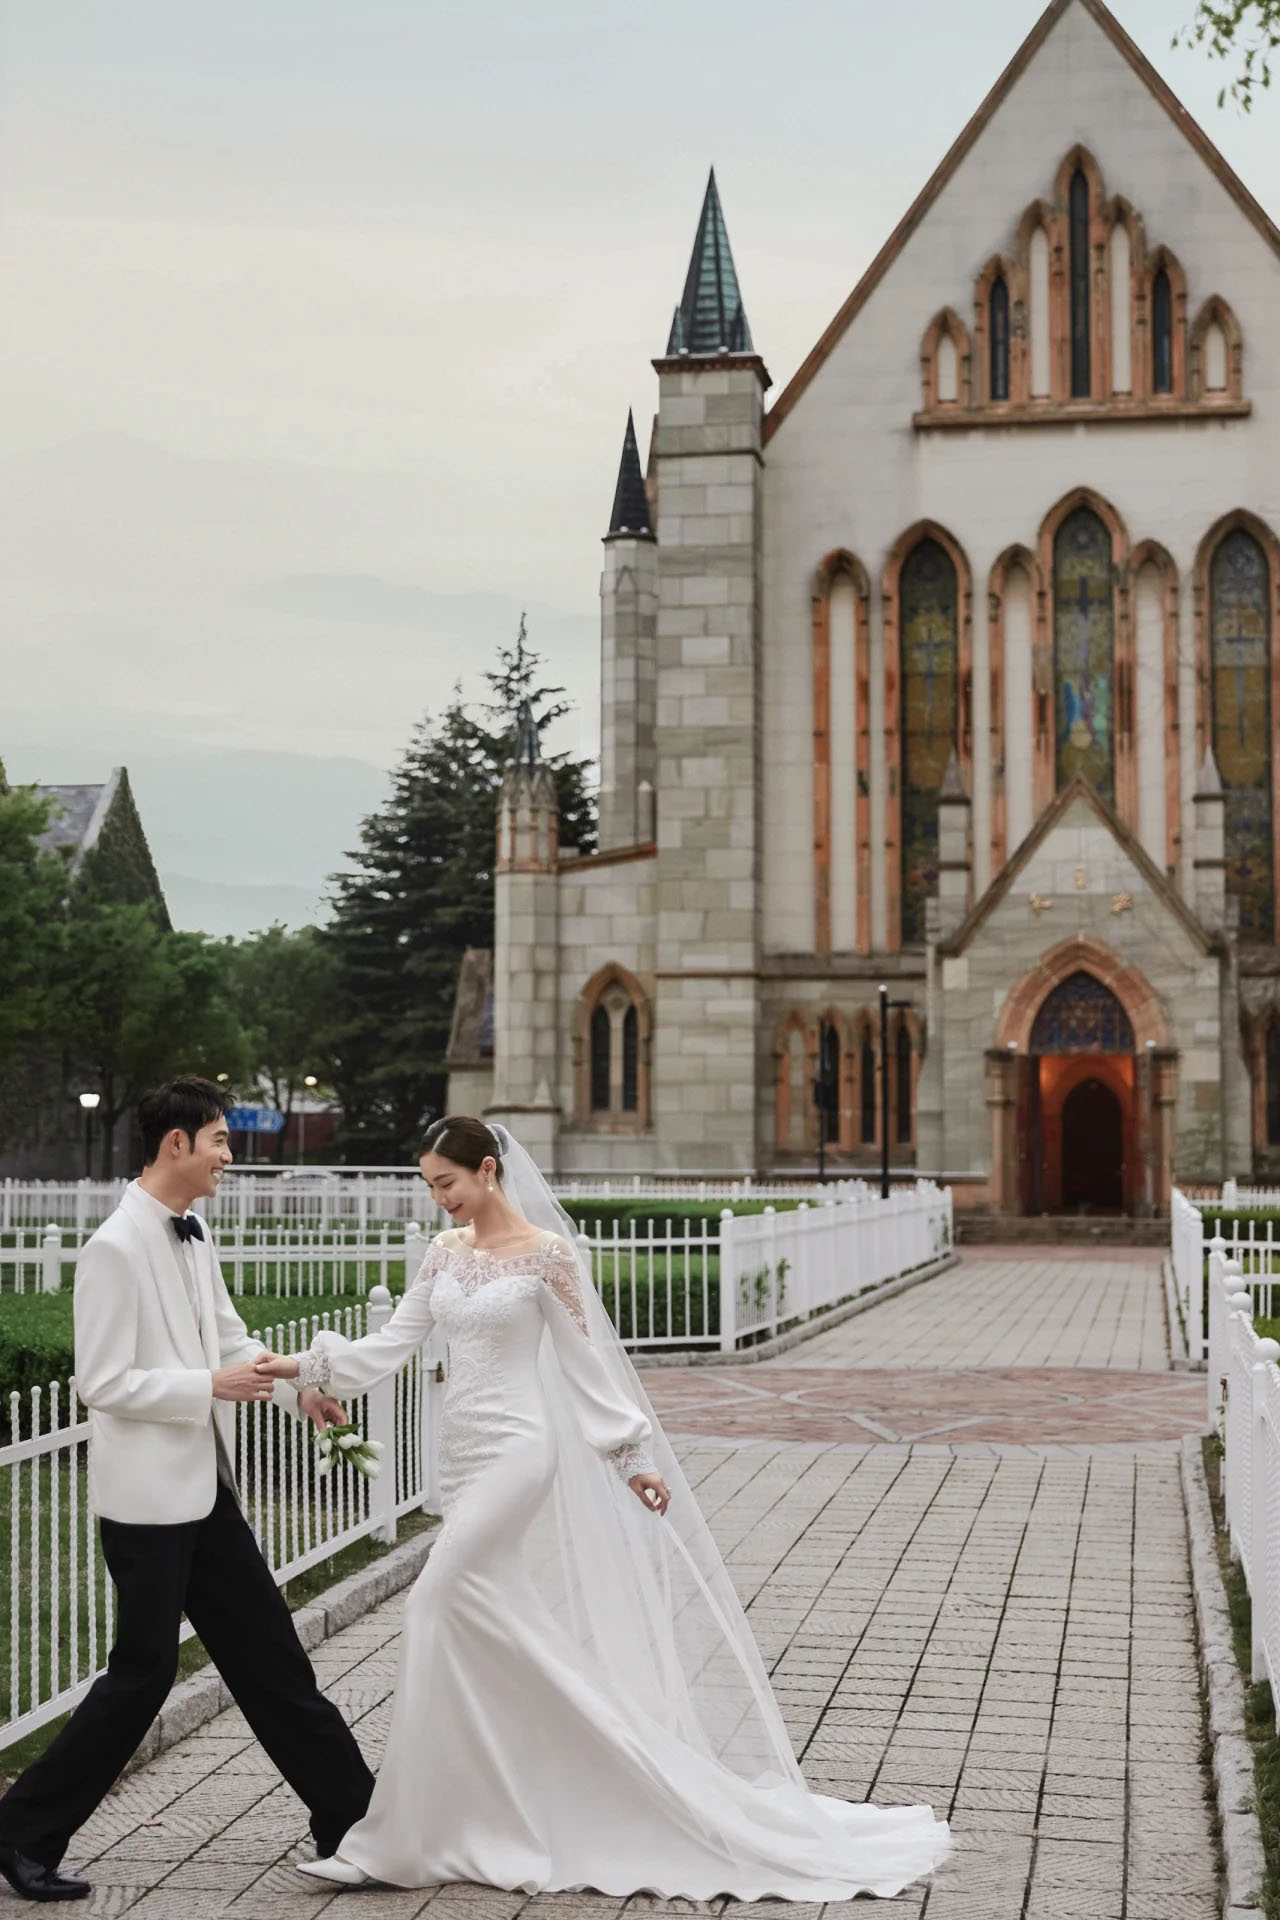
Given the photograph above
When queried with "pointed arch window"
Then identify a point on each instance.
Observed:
(998, 326)
(1272, 1063)
(630, 1060)
(867, 1089)
(928, 615)
(1084, 651)
(1240, 671)
(611, 1052)
(601, 1048)
(1161, 334)
(1081, 365)
(902, 1064)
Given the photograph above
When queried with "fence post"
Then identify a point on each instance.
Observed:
(382, 1426)
(1230, 1195)
(728, 1283)
(1217, 1326)
(51, 1259)
(1266, 1353)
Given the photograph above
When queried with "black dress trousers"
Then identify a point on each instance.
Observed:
(213, 1571)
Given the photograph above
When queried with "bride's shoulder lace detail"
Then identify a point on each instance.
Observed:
(558, 1267)
(437, 1258)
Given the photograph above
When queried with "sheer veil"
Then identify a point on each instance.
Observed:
(648, 1596)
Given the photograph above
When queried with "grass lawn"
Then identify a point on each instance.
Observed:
(1259, 1707)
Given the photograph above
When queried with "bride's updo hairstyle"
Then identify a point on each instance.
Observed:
(467, 1142)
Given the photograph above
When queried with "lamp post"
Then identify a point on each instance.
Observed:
(89, 1102)
(885, 1004)
(308, 1081)
(825, 1090)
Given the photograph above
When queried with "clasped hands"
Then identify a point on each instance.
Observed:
(256, 1380)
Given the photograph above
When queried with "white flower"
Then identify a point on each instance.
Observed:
(348, 1440)
(324, 1465)
(373, 1469)
(376, 1447)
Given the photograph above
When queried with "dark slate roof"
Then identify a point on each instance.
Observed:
(471, 1041)
(76, 816)
(630, 501)
(710, 317)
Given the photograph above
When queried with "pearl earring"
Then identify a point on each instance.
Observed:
(491, 1186)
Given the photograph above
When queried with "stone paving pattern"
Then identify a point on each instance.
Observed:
(1005, 1632)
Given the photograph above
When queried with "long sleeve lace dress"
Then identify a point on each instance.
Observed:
(513, 1758)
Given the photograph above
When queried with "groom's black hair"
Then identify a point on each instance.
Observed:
(188, 1102)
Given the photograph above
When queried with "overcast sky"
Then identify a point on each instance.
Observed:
(319, 323)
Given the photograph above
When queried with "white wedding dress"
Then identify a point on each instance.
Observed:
(571, 1711)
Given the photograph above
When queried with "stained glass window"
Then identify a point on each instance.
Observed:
(1079, 216)
(1162, 334)
(1240, 667)
(600, 1037)
(1084, 651)
(1273, 1083)
(630, 1061)
(998, 324)
(903, 1063)
(1081, 1016)
(867, 1076)
(927, 598)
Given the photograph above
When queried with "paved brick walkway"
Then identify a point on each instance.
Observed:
(1064, 1307)
(1004, 1631)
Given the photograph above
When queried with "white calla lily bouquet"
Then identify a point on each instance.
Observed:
(339, 1443)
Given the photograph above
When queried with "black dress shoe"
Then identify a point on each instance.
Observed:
(34, 1882)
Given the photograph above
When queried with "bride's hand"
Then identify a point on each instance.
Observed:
(652, 1489)
(280, 1366)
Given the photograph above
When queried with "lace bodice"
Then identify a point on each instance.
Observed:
(493, 1308)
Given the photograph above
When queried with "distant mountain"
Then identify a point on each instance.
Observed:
(206, 906)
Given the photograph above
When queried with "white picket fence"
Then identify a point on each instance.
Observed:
(1244, 1405)
(59, 1616)
(1186, 1257)
(769, 1270)
(362, 1201)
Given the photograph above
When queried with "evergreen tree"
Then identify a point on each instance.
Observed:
(420, 891)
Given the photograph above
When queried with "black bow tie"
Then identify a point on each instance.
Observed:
(187, 1226)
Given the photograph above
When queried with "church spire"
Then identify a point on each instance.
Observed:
(710, 317)
(630, 501)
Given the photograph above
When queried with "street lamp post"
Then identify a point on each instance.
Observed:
(89, 1102)
(309, 1081)
(885, 1004)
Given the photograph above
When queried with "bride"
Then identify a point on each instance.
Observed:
(580, 1702)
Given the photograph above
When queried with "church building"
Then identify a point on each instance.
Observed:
(953, 669)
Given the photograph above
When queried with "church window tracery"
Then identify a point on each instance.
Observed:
(928, 592)
(1081, 1015)
(1081, 371)
(1084, 652)
(1240, 679)
(611, 1052)
(998, 323)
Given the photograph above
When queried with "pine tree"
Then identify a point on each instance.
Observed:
(419, 892)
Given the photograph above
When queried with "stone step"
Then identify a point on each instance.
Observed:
(1046, 1230)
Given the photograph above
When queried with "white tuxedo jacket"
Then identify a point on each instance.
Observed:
(146, 1374)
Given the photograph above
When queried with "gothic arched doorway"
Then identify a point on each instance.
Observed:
(1092, 1149)
(1079, 1121)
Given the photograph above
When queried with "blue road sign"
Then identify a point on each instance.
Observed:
(255, 1119)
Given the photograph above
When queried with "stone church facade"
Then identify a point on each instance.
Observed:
(954, 669)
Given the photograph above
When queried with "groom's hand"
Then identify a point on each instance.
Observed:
(321, 1409)
(242, 1383)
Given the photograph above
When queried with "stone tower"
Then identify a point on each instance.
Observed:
(526, 950)
(628, 666)
(710, 412)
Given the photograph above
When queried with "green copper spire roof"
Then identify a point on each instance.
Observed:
(710, 317)
(630, 501)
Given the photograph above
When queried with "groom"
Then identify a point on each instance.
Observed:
(161, 1358)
